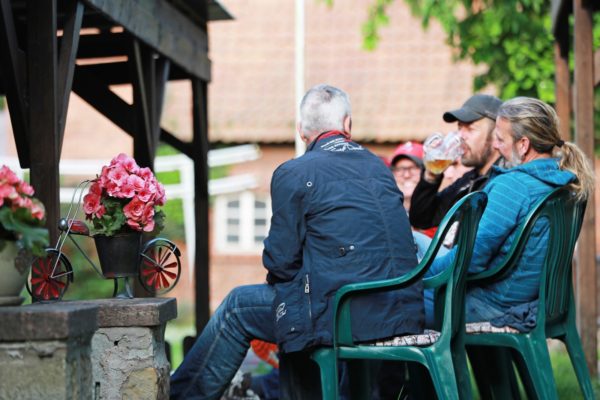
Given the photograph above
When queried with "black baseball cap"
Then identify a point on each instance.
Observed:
(477, 107)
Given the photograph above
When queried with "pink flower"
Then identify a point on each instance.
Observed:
(38, 211)
(91, 204)
(25, 188)
(130, 165)
(137, 182)
(118, 175)
(127, 191)
(8, 176)
(161, 197)
(149, 227)
(146, 174)
(133, 225)
(124, 179)
(96, 188)
(145, 195)
(148, 213)
(112, 189)
(134, 209)
(7, 191)
(22, 202)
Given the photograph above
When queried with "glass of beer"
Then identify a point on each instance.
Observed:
(441, 151)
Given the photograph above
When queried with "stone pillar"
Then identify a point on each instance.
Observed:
(45, 351)
(128, 349)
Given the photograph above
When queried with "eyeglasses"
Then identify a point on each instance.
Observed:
(402, 170)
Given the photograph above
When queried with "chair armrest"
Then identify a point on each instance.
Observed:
(342, 329)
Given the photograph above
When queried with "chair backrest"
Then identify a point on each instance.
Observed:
(565, 216)
(556, 286)
(450, 284)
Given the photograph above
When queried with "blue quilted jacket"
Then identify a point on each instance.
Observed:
(511, 195)
(338, 219)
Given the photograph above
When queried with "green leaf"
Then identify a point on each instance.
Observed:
(30, 235)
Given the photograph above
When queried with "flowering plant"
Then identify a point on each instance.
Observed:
(125, 198)
(22, 216)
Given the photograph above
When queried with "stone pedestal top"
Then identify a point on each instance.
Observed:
(47, 321)
(151, 311)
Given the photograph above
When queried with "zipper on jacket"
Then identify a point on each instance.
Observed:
(307, 291)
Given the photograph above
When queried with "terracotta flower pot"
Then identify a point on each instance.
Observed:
(119, 254)
(14, 271)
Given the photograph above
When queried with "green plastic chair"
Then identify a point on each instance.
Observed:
(556, 308)
(440, 356)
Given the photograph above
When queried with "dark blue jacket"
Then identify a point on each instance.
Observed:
(338, 219)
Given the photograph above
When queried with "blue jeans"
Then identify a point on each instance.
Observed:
(207, 369)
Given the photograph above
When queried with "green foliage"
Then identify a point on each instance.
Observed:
(377, 19)
(2, 103)
(29, 232)
(112, 221)
(511, 38)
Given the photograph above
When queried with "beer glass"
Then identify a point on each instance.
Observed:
(441, 151)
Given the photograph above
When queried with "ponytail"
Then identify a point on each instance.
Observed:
(572, 159)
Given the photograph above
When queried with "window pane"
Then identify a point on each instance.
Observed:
(259, 238)
(233, 238)
(260, 222)
(233, 204)
(233, 221)
(260, 204)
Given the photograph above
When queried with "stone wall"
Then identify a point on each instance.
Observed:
(45, 351)
(103, 349)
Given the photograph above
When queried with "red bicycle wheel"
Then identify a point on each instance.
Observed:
(160, 267)
(49, 276)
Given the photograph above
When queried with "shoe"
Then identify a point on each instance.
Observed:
(239, 388)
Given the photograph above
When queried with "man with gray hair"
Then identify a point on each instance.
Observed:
(337, 219)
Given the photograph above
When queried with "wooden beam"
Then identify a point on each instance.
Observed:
(162, 69)
(170, 139)
(584, 135)
(43, 110)
(87, 86)
(559, 10)
(97, 94)
(200, 146)
(164, 28)
(597, 68)
(104, 45)
(563, 82)
(66, 62)
(118, 73)
(12, 72)
(142, 68)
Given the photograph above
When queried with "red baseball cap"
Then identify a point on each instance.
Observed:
(411, 150)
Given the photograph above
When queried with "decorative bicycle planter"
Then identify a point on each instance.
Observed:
(156, 263)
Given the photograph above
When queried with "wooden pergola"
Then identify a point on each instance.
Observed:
(49, 48)
(579, 98)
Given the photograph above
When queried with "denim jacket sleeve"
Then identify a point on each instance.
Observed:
(282, 254)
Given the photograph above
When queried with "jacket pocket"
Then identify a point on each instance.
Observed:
(289, 311)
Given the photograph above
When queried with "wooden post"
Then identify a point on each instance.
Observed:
(200, 150)
(563, 81)
(584, 134)
(12, 69)
(43, 109)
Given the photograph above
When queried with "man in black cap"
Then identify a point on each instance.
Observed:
(476, 122)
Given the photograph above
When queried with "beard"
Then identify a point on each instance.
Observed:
(479, 160)
(515, 159)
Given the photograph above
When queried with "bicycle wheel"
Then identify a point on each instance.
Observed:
(160, 266)
(43, 283)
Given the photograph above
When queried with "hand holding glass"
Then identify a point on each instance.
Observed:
(441, 151)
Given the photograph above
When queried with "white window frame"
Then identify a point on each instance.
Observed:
(247, 228)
